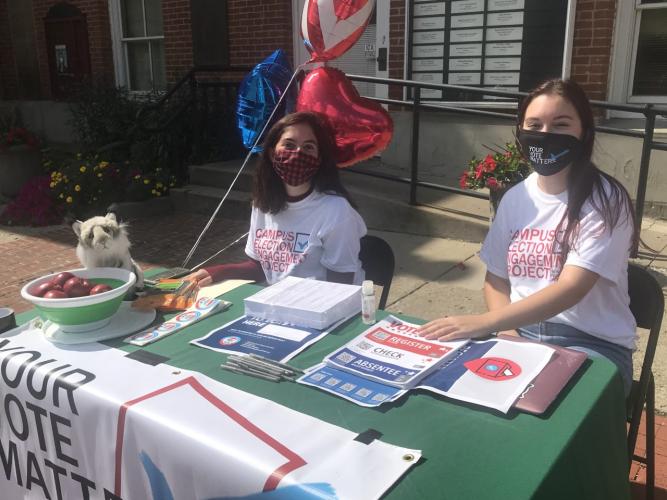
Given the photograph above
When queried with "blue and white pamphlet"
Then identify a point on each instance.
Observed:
(388, 359)
(249, 335)
(357, 389)
(391, 353)
(492, 373)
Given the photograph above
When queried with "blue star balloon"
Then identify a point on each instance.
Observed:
(258, 95)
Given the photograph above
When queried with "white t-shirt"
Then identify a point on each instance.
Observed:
(320, 232)
(518, 248)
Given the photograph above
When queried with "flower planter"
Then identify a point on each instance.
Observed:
(17, 165)
(495, 195)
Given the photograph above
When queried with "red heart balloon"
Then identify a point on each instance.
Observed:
(331, 27)
(362, 127)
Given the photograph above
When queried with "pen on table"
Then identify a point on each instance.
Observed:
(253, 369)
(275, 363)
(263, 364)
(243, 371)
(250, 364)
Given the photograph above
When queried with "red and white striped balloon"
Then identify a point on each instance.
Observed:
(331, 27)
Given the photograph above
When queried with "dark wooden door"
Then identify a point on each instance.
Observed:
(69, 58)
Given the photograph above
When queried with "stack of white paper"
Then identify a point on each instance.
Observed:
(305, 302)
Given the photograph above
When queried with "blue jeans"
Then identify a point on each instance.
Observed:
(568, 336)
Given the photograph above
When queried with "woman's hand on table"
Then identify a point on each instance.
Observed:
(456, 327)
(202, 277)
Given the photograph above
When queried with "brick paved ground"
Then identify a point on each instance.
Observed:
(164, 241)
(28, 253)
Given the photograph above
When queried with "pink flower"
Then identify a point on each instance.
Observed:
(489, 163)
(492, 183)
(463, 180)
(479, 170)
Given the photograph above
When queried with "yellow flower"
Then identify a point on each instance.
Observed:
(99, 175)
(146, 181)
(52, 185)
(53, 175)
(69, 199)
(61, 196)
(82, 169)
(159, 184)
(153, 191)
(77, 188)
(104, 164)
(137, 176)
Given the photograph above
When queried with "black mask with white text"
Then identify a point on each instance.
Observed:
(547, 152)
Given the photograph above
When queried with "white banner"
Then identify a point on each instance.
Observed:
(87, 422)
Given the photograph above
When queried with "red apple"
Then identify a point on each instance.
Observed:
(62, 278)
(41, 289)
(55, 294)
(74, 287)
(101, 288)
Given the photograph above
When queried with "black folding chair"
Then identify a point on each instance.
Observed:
(647, 304)
(377, 259)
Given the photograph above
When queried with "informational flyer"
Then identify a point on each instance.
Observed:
(348, 386)
(249, 335)
(491, 373)
(391, 352)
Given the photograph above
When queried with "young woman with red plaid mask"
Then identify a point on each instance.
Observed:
(302, 222)
(557, 252)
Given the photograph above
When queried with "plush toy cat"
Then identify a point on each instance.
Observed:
(103, 242)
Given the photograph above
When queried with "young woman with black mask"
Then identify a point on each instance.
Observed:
(557, 251)
(302, 222)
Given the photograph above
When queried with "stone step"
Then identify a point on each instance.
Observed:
(221, 174)
(204, 199)
(382, 203)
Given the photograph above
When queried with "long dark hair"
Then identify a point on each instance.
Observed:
(585, 180)
(269, 194)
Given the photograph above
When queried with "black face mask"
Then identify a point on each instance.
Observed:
(549, 153)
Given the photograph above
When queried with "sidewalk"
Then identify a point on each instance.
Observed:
(433, 277)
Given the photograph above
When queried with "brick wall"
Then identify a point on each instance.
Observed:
(177, 22)
(396, 46)
(99, 39)
(256, 29)
(591, 52)
(8, 78)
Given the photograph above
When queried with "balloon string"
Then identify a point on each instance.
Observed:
(238, 174)
(220, 251)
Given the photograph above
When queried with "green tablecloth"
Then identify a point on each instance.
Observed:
(576, 451)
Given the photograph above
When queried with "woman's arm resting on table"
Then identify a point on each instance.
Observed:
(247, 270)
(572, 286)
(497, 295)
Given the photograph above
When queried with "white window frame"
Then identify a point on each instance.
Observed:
(119, 46)
(624, 56)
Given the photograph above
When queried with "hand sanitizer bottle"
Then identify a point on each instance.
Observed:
(368, 302)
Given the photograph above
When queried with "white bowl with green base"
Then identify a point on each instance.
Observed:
(88, 313)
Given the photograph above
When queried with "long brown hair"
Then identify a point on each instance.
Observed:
(585, 181)
(269, 194)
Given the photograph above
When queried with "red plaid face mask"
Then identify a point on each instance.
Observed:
(295, 167)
